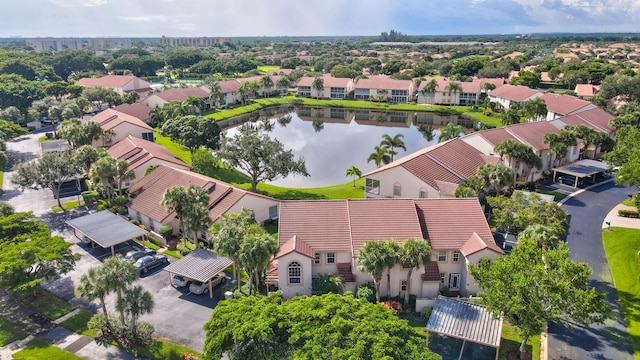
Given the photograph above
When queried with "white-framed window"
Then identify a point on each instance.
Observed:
(372, 186)
(423, 193)
(397, 189)
(442, 277)
(456, 256)
(273, 212)
(442, 256)
(316, 258)
(331, 258)
(403, 286)
(295, 273)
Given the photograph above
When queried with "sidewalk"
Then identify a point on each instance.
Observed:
(614, 220)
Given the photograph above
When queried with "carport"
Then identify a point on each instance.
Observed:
(581, 169)
(106, 229)
(479, 331)
(200, 265)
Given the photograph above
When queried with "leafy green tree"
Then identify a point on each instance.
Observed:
(135, 302)
(355, 172)
(451, 131)
(94, 285)
(50, 171)
(30, 254)
(19, 92)
(392, 143)
(120, 273)
(11, 130)
(342, 71)
(520, 211)
(203, 162)
(534, 109)
(534, 286)
(56, 89)
(318, 85)
(262, 158)
(413, 254)
(192, 132)
(379, 156)
(526, 78)
(372, 259)
(269, 328)
(6, 209)
(510, 117)
(393, 66)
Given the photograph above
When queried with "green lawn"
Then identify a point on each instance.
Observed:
(343, 191)
(265, 68)
(629, 202)
(67, 206)
(9, 333)
(78, 323)
(621, 246)
(178, 150)
(511, 341)
(46, 303)
(164, 350)
(37, 349)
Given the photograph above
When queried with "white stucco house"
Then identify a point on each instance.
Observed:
(562, 105)
(122, 125)
(384, 88)
(333, 88)
(508, 94)
(320, 237)
(122, 84)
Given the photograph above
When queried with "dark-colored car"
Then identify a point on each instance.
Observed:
(148, 262)
(137, 254)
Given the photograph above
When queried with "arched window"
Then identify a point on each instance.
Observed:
(397, 189)
(295, 273)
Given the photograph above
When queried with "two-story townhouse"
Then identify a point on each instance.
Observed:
(384, 88)
(139, 110)
(433, 172)
(562, 105)
(158, 100)
(122, 84)
(262, 91)
(142, 154)
(468, 94)
(321, 237)
(508, 94)
(333, 88)
(228, 92)
(146, 194)
(120, 125)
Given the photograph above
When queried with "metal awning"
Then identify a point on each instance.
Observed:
(583, 168)
(106, 229)
(466, 321)
(200, 265)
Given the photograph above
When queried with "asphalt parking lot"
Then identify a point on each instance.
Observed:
(178, 315)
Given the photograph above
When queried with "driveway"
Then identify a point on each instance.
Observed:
(587, 211)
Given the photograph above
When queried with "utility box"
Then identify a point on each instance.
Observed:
(228, 295)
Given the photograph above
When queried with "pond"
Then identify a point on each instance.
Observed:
(330, 140)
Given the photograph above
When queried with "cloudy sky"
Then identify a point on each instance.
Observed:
(153, 18)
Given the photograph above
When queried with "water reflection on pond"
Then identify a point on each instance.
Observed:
(333, 139)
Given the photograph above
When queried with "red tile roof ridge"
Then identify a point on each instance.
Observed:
(295, 245)
(475, 243)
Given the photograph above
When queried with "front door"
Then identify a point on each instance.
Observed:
(454, 282)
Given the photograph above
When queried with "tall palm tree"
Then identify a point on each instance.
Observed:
(534, 109)
(379, 156)
(227, 241)
(318, 85)
(119, 273)
(392, 258)
(195, 103)
(175, 200)
(123, 173)
(215, 94)
(429, 90)
(451, 131)
(413, 254)
(354, 171)
(196, 214)
(136, 301)
(284, 83)
(328, 283)
(256, 250)
(510, 117)
(508, 147)
(371, 259)
(266, 82)
(105, 171)
(392, 143)
(94, 285)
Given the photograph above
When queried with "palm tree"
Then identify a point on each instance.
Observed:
(105, 171)
(382, 94)
(391, 259)
(429, 89)
(318, 85)
(379, 156)
(413, 254)
(510, 117)
(245, 89)
(392, 143)
(195, 103)
(284, 83)
(119, 273)
(544, 236)
(328, 283)
(451, 131)
(266, 83)
(123, 173)
(496, 176)
(508, 147)
(93, 285)
(136, 301)
(227, 241)
(454, 87)
(175, 200)
(559, 143)
(371, 259)
(215, 94)
(256, 250)
(354, 171)
(196, 214)
(534, 109)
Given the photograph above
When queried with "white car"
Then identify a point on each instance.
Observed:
(198, 287)
(181, 281)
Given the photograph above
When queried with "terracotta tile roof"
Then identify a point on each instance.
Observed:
(431, 272)
(181, 94)
(532, 133)
(108, 81)
(295, 245)
(345, 225)
(564, 104)
(139, 110)
(446, 188)
(258, 78)
(145, 195)
(598, 117)
(495, 136)
(471, 87)
(513, 92)
(448, 223)
(476, 243)
(110, 118)
(138, 152)
(229, 86)
(383, 82)
(460, 157)
(498, 82)
(586, 90)
(328, 81)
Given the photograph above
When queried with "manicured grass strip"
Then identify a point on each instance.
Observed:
(161, 350)
(46, 303)
(343, 191)
(621, 246)
(37, 349)
(629, 202)
(173, 252)
(9, 333)
(557, 196)
(67, 206)
(78, 323)
(265, 68)
(511, 341)
(178, 150)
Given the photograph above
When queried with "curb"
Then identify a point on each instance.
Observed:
(67, 316)
(578, 192)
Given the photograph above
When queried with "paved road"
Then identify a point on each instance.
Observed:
(611, 340)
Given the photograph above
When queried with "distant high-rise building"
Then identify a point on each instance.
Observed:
(191, 41)
(58, 44)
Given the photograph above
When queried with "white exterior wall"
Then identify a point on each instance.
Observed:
(230, 98)
(504, 102)
(449, 267)
(141, 169)
(326, 268)
(398, 274)
(479, 143)
(259, 205)
(154, 101)
(120, 132)
(471, 288)
(410, 184)
(291, 290)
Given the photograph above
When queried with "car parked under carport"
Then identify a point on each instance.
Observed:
(200, 265)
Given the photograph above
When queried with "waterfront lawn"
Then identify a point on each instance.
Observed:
(622, 246)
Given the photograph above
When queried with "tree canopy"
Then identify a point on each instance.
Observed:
(192, 132)
(310, 327)
(520, 211)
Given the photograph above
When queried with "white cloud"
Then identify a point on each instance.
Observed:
(81, 3)
(146, 18)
